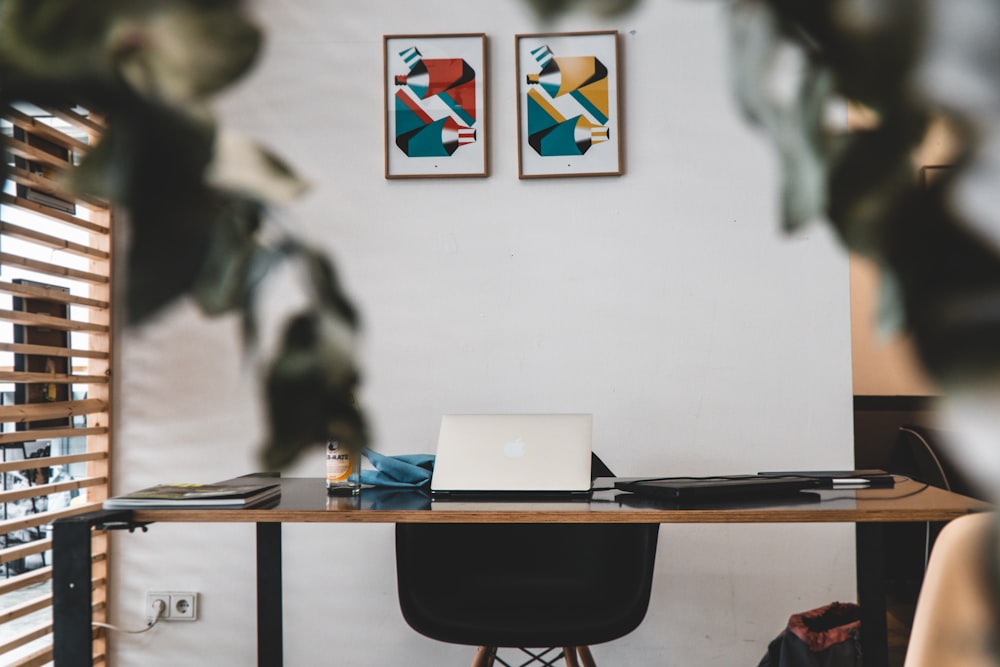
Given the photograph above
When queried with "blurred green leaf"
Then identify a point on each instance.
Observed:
(193, 196)
(312, 381)
(548, 10)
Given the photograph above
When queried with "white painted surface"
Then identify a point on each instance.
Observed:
(663, 301)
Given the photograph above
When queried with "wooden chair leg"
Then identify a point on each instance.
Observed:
(569, 652)
(485, 656)
(586, 660)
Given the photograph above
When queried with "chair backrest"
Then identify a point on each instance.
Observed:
(526, 585)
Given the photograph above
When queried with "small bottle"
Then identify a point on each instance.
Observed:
(343, 469)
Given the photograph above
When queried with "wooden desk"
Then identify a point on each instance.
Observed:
(304, 500)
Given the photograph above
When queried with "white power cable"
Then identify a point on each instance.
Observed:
(160, 608)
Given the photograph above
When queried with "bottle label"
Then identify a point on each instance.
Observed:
(339, 463)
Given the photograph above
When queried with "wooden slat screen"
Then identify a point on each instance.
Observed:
(55, 368)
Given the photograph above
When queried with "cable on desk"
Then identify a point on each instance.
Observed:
(897, 497)
(930, 451)
(160, 609)
(923, 488)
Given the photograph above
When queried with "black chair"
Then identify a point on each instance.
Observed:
(526, 586)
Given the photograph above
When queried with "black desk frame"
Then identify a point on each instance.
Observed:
(72, 595)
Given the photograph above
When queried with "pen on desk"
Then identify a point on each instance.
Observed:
(877, 482)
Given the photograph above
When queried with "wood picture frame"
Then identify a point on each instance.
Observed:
(568, 104)
(435, 105)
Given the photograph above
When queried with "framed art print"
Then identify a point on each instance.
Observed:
(568, 105)
(435, 105)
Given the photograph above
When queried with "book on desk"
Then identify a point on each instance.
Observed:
(232, 494)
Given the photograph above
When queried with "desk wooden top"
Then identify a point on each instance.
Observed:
(304, 500)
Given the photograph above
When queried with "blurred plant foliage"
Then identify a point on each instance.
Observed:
(551, 9)
(195, 197)
(912, 64)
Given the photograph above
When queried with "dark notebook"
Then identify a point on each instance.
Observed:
(729, 487)
(229, 494)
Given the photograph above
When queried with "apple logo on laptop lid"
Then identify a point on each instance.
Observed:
(514, 449)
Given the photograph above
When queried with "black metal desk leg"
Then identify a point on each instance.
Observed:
(269, 613)
(71, 594)
(871, 593)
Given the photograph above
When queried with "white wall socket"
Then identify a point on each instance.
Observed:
(177, 605)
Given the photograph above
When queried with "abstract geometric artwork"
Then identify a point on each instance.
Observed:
(435, 105)
(568, 104)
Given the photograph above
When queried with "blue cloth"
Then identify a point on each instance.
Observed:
(402, 471)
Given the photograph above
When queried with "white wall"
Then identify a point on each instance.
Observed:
(663, 301)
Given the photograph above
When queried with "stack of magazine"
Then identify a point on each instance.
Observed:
(231, 494)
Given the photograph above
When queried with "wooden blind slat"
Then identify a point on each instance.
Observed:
(20, 551)
(49, 351)
(10, 229)
(19, 581)
(29, 124)
(54, 188)
(36, 576)
(43, 518)
(52, 269)
(33, 605)
(51, 294)
(42, 209)
(49, 433)
(25, 608)
(93, 128)
(45, 489)
(49, 461)
(54, 378)
(26, 637)
(25, 150)
(41, 658)
(50, 321)
(36, 411)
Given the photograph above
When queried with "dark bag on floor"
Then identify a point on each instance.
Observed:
(824, 637)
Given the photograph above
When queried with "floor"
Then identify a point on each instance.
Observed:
(899, 617)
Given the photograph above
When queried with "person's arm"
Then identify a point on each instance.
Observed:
(953, 620)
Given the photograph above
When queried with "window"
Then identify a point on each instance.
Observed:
(55, 368)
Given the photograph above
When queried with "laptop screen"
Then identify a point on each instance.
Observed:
(513, 452)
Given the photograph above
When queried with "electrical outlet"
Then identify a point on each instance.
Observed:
(177, 605)
(153, 600)
(183, 607)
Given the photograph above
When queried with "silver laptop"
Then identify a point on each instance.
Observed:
(513, 455)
